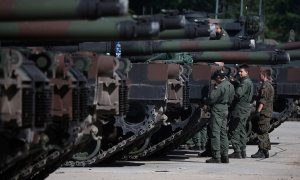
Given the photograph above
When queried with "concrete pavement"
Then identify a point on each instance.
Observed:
(283, 164)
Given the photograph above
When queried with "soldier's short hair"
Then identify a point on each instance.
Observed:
(244, 66)
(266, 72)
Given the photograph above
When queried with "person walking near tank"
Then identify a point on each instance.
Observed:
(219, 99)
(264, 111)
(240, 113)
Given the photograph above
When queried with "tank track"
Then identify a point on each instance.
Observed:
(145, 128)
(48, 161)
(192, 124)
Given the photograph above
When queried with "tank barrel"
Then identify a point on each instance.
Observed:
(190, 30)
(233, 57)
(282, 46)
(109, 28)
(289, 45)
(294, 54)
(26, 10)
(149, 47)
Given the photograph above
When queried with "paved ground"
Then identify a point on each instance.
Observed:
(283, 164)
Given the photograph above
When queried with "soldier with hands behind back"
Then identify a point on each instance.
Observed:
(264, 110)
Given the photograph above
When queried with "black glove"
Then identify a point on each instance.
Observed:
(257, 115)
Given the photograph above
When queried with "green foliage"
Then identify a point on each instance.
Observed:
(280, 15)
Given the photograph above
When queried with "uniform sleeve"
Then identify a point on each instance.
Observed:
(263, 95)
(214, 95)
(231, 94)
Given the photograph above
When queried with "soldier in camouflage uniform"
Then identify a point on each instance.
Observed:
(240, 113)
(219, 99)
(264, 110)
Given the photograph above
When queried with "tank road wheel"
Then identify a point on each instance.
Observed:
(94, 148)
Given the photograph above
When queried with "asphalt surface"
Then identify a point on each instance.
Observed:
(283, 164)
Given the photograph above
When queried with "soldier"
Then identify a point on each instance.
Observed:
(219, 99)
(264, 110)
(241, 109)
(221, 34)
(207, 148)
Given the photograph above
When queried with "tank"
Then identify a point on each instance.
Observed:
(20, 10)
(25, 114)
(120, 125)
(197, 76)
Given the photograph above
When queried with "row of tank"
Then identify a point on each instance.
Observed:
(74, 92)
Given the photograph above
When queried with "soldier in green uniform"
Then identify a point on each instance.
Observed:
(264, 110)
(219, 99)
(240, 113)
(221, 34)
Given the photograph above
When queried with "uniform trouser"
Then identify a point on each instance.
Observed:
(203, 135)
(218, 133)
(263, 132)
(200, 138)
(196, 139)
(237, 128)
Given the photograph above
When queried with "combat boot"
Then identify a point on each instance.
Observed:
(213, 160)
(224, 159)
(266, 153)
(244, 155)
(235, 155)
(258, 154)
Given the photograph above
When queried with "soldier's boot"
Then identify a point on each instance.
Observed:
(224, 159)
(244, 155)
(235, 155)
(205, 153)
(266, 153)
(213, 160)
(258, 154)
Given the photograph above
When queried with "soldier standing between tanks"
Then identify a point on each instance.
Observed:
(219, 99)
(240, 113)
(264, 110)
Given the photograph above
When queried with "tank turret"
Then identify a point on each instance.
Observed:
(23, 10)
